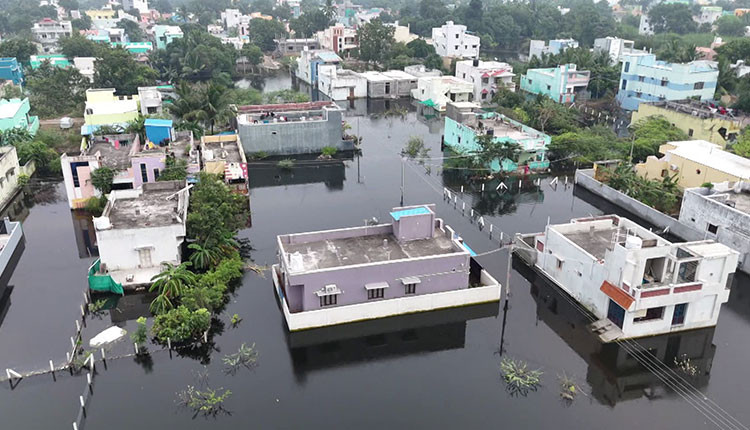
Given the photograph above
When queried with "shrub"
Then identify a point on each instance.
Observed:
(205, 401)
(519, 379)
(708, 185)
(286, 164)
(211, 298)
(23, 179)
(95, 205)
(246, 357)
(328, 151)
(181, 324)
(140, 335)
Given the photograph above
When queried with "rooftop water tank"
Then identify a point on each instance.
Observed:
(633, 242)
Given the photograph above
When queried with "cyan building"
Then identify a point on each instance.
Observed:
(645, 79)
(462, 138)
(11, 70)
(563, 84)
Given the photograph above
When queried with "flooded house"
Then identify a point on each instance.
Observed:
(414, 263)
(633, 281)
(223, 155)
(138, 230)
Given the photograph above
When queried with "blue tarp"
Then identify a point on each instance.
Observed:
(406, 212)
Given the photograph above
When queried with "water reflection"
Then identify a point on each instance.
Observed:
(347, 344)
(268, 174)
(83, 227)
(495, 200)
(613, 373)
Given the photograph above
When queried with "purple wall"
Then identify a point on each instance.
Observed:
(437, 274)
(335, 234)
(413, 227)
(152, 162)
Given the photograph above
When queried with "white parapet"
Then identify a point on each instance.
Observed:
(490, 291)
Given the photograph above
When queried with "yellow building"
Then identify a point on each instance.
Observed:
(696, 119)
(103, 107)
(102, 14)
(695, 162)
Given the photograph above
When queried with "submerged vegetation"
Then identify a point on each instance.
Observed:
(246, 356)
(519, 379)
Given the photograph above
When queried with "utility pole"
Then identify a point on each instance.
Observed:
(402, 181)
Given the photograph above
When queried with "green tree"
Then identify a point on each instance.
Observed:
(375, 41)
(420, 48)
(649, 134)
(307, 24)
(263, 33)
(586, 145)
(116, 68)
(102, 179)
(204, 256)
(21, 49)
(214, 210)
(197, 56)
(672, 18)
(15, 136)
(55, 91)
(170, 284)
(46, 159)
(132, 29)
(742, 146)
(79, 46)
(730, 25)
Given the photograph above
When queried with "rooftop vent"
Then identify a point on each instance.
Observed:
(137, 212)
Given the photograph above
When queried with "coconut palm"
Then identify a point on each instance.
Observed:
(172, 282)
(204, 256)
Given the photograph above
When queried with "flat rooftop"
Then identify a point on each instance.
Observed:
(741, 202)
(326, 254)
(111, 157)
(229, 152)
(695, 108)
(150, 209)
(8, 108)
(506, 129)
(711, 155)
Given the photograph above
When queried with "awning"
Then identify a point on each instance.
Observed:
(485, 91)
(485, 75)
(617, 295)
(376, 285)
(429, 103)
(410, 280)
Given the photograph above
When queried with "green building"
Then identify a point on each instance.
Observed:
(14, 113)
(166, 34)
(56, 60)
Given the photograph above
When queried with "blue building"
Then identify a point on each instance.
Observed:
(645, 79)
(563, 84)
(11, 70)
(159, 130)
(308, 62)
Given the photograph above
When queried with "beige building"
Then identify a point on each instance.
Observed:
(695, 162)
(9, 173)
(698, 120)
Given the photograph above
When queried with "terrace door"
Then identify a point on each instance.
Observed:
(616, 313)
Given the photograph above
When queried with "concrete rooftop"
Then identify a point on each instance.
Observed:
(150, 209)
(326, 254)
(741, 201)
(229, 152)
(111, 157)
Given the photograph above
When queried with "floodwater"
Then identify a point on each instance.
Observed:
(433, 370)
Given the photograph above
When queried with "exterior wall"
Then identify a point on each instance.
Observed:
(121, 109)
(11, 70)
(21, 117)
(118, 249)
(644, 79)
(560, 83)
(701, 207)
(299, 137)
(690, 174)
(613, 46)
(77, 195)
(152, 162)
(441, 90)
(340, 84)
(9, 171)
(157, 133)
(451, 40)
(414, 227)
(693, 126)
(485, 87)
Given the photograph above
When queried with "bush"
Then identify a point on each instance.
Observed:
(23, 179)
(181, 324)
(286, 164)
(328, 151)
(140, 335)
(519, 379)
(95, 205)
(708, 185)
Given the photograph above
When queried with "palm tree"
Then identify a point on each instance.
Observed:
(138, 126)
(204, 256)
(214, 105)
(171, 282)
(14, 136)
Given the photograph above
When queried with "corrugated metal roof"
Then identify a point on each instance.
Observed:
(407, 212)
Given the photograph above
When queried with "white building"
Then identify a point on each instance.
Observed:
(86, 66)
(420, 71)
(740, 68)
(140, 229)
(140, 5)
(452, 40)
(645, 28)
(636, 283)
(338, 39)
(341, 84)
(614, 47)
(402, 33)
(537, 48)
(231, 18)
(708, 15)
(310, 60)
(437, 91)
(150, 99)
(487, 77)
(48, 32)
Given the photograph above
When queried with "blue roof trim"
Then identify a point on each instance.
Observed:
(158, 122)
(406, 212)
(471, 251)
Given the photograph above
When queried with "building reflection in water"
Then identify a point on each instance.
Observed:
(518, 190)
(5, 288)
(613, 374)
(83, 226)
(347, 344)
(267, 173)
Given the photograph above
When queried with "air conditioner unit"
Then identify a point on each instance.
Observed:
(330, 289)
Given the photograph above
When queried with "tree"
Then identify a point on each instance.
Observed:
(214, 210)
(68, 5)
(197, 56)
(586, 145)
(171, 283)
(102, 178)
(138, 126)
(82, 23)
(163, 6)
(21, 49)
(730, 25)
(79, 46)
(672, 18)
(208, 103)
(649, 134)
(55, 91)
(310, 23)
(420, 49)
(263, 33)
(11, 92)
(204, 257)
(132, 29)
(742, 146)
(375, 41)
(116, 68)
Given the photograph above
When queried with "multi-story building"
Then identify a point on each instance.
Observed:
(532, 145)
(722, 213)
(86, 66)
(402, 33)
(150, 99)
(103, 19)
(645, 79)
(563, 84)
(695, 162)
(11, 70)
(414, 263)
(139, 230)
(537, 48)
(291, 128)
(709, 14)
(14, 113)
(166, 34)
(437, 91)
(140, 5)
(10, 170)
(487, 77)
(390, 84)
(294, 47)
(49, 31)
(309, 61)
(637, 283)
(452, 40)
(698, 120)
(644, 27)
(339, 39)
(341, 84)
(231, 18)
(420, 71)
(103, 107)
(614, 47)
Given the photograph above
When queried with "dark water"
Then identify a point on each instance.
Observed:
(436, 370)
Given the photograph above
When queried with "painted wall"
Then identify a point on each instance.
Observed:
(9, 171)
(693, 126)
(118, 249)
(152, 163)
(21, 117)
(158, 134)
(690, 174)
(11, 70)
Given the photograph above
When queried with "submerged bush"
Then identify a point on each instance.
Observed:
(519, 379)
(181, 324)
